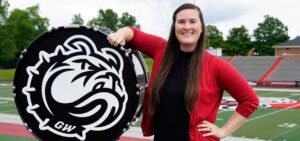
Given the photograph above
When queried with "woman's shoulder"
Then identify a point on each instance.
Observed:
(144, 36)
(209, 58)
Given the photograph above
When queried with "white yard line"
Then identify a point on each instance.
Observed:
(8, 111)
(268, 93)
(8, 118)
(277, 89)
(7, 98)
(222, 112)
(6, 84)
(272, 113)
(284, 133)
(291, 96)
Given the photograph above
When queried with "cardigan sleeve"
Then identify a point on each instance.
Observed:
(230, 80)
(146, 43)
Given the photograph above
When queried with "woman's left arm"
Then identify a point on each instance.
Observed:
(231, 125)
(229, 79)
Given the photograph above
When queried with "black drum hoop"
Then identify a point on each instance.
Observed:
(32, 67)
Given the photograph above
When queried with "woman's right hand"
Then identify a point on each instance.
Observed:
(116, 39)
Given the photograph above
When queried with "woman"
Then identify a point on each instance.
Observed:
(187, 83)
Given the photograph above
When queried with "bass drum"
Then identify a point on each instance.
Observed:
(71, 84)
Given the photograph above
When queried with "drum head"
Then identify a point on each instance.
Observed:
(70, 84)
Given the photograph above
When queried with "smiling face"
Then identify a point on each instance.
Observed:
(188, 29)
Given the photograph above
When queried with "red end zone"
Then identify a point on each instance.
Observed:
(20, 130)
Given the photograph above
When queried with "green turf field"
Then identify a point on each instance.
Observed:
(276, 124)
(7, 74)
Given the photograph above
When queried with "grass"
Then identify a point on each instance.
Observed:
(269, 125)
(5, 137)
(259, 125)
(149, 63)
(265, 122)
(7, 74)
(7, 106)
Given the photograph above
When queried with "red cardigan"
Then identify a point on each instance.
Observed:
(217, 76)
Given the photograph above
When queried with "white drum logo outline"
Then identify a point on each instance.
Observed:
(80, 43)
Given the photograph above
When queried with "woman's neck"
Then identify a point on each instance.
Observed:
(187, 48)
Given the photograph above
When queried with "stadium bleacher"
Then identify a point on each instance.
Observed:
(288, 70)
(254, 69)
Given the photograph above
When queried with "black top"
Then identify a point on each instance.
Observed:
(171, 121)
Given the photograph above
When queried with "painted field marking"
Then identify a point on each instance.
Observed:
(3, 102)
(268, 93)
(6, 84)
(222, 112)
(287, 125)
(276, 89)
(7, 98)
(8, 111)
(292, 95)
(295, 93)
(272, 113)
(284, 133)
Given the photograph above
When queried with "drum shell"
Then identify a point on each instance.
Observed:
(48, 43)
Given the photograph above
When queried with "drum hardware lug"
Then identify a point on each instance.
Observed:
(125, 129)
(29, 130)
(54, 28)
(14, 94)
(122, 48)
(26, 125)
(137, 93)
(138, 85)
(13, 87)
(95, 29)
(21, 56)
(24, 51)
(129, 124)
(127, 52)
(72, 26)
(142, 87)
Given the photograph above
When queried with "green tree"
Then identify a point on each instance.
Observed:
(110, 19)
(7, 47)
(3, 11)
(77, 19)
(28, 25)
(214, 37)
(23, 26)
(107, 18)
(269, 33)
(128, 20)
(238, 42)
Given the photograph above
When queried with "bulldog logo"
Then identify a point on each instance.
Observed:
(82, 88)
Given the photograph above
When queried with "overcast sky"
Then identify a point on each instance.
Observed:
(155, 16)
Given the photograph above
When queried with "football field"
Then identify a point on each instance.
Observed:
(277, 119)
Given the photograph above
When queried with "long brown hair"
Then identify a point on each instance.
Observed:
(171, 53)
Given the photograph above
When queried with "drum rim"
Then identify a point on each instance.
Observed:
(102, 30)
